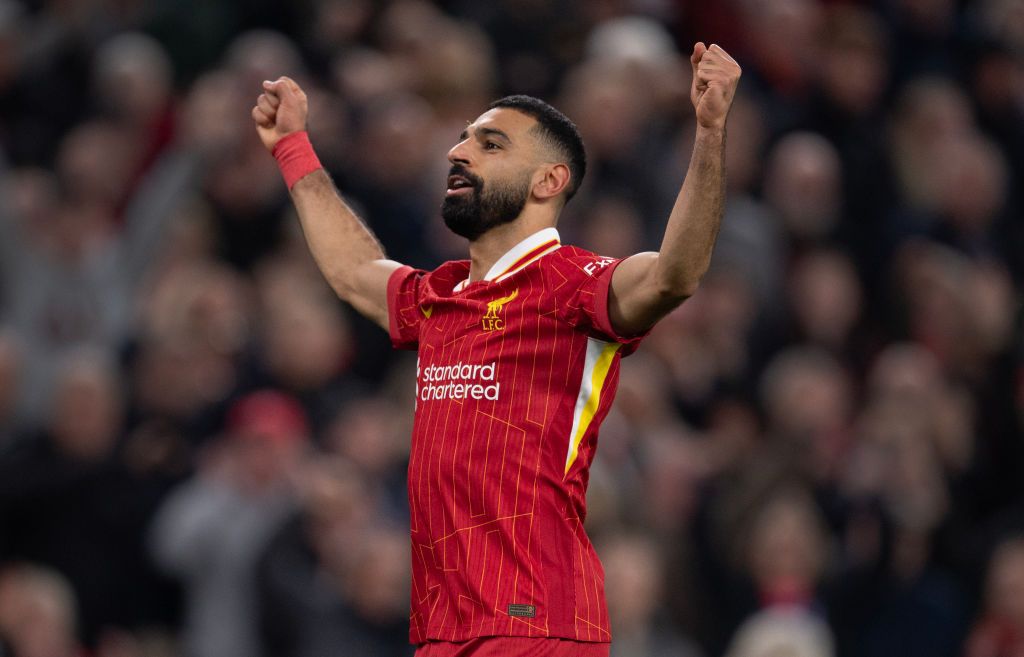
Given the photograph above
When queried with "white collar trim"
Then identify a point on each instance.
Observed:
(500, 268)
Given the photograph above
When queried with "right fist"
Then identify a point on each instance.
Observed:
(280, 110)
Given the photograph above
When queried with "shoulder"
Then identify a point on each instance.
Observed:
(454, 270)
(573, 260)
(442, 279)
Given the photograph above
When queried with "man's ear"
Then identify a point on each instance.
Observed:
(551, 180)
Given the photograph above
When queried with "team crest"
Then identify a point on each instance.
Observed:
(493, 319)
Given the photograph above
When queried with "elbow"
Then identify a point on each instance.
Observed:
(674, 293)
(677, 289)
(342, 291)
(342, 285)
(688, 289)
(672, 285)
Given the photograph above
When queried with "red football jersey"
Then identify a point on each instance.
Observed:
(515, 373)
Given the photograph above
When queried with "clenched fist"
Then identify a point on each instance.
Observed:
(280, 110)
(715, 76)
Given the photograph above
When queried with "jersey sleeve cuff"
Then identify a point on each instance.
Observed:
(395, 282)
(602, 322)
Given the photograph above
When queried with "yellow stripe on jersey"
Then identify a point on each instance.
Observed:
(599, 358)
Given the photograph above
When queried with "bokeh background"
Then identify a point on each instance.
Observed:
(202, 451)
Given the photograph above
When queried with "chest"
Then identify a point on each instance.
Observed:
(491, 344)
(487, 315)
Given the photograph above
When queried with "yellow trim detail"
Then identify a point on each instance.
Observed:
(597, 379)
(513, 269)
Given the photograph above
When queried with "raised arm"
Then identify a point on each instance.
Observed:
(647, 286)
(346, 251)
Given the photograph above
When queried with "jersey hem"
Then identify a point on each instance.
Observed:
(468, 633)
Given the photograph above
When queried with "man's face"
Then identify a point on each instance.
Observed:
(491, 174)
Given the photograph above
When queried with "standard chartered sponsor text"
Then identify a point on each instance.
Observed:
(458, 381)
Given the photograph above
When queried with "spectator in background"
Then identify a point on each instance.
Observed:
(37, 613)
(387, 176)
(306, 346)
(789, 632)
(847, 108)
(999, 632)
(826, 303)
(634, 585)
(132, 80)
(803, 187)
(333, 579)
(10, 388)
(211, 531)
(930, 113)
(67, 500)
(196, 329)
(782, 46)
(969, 221)
(910, 442)
(378, 583)
(368, 433)
(68, 276)
(704, 347)
(775, 554)
(809, 403)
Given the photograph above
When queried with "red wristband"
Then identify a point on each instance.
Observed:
(295, 157)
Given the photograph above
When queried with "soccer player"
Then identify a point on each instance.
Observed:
(518, 358)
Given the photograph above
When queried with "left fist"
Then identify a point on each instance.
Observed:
(715, 76)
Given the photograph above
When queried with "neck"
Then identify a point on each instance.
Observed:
(489, 247)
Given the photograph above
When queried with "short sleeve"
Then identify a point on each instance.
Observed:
(404, 289)
(582, 297)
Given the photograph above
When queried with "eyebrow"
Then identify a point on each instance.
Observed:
(488, 132)
(494, 132)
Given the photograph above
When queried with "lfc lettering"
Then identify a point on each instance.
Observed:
(492, 319)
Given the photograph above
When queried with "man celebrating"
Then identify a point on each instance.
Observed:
(519, 350)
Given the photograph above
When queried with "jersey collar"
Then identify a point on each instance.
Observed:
(529, 250)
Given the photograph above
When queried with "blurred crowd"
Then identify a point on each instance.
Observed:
(202, 451)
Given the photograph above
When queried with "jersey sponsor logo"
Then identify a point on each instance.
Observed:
(458, 381)
(493, 319)
(427, 310)
(592, 267)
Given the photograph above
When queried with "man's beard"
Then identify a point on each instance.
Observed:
(473, 214)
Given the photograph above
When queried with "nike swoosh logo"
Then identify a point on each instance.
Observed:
(427, 311)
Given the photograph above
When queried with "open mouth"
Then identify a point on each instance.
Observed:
(458, 185)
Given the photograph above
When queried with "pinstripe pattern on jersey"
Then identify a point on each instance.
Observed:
(495, 519)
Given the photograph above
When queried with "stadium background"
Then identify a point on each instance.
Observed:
(202, 451)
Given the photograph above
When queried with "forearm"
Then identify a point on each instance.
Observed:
(338, 239)
(647, 286)
(345, 250)
(693, 225)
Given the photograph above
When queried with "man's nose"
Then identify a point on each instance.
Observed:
(458, 154)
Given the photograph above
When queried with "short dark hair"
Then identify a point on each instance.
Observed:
(555, 128)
